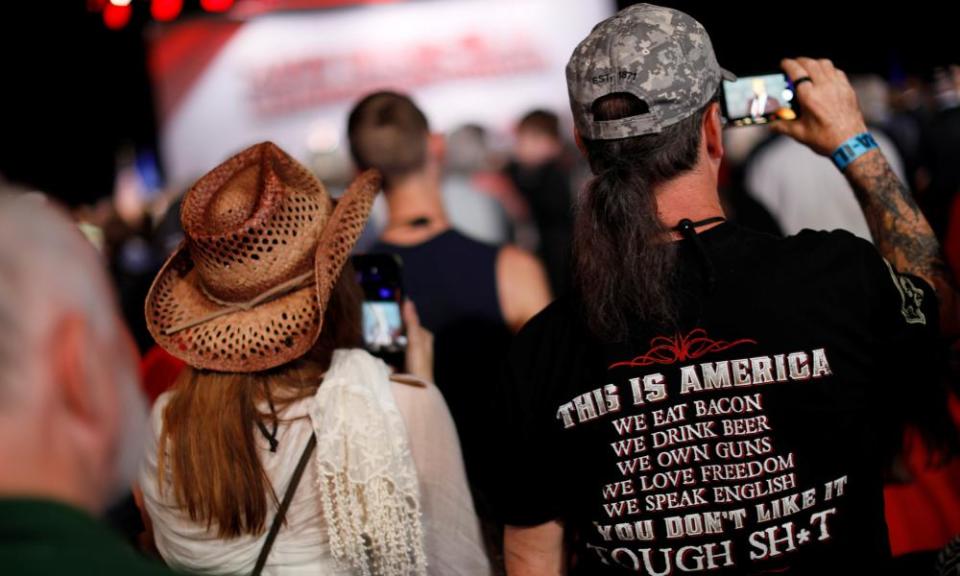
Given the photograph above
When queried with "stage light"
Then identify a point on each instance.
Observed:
(216, 5)
(120, 3)
(116, 17)
(165, 10)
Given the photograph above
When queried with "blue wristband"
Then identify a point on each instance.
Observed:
(853, 149)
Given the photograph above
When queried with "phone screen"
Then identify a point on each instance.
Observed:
(383, 327)
(759, 100)
(384, 333)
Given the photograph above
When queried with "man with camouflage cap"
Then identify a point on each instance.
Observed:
(710, 399)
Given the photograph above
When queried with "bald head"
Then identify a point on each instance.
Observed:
(67, 367)
(46, 268)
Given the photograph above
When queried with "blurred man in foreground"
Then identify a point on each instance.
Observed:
(71, 414)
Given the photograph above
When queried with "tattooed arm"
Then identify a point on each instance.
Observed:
(901, 232)
(830, 116)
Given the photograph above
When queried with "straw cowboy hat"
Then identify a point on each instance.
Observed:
(247, 289)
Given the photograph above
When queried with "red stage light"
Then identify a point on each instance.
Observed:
(116, 17)
(216, 5)
(165, 10)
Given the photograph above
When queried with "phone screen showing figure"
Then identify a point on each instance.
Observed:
(384, 333)
(383, 327)
(759, 100)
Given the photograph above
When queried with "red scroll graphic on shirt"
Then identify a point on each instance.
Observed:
(666, 350)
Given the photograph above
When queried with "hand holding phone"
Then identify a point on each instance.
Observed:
(419, 345)
(831, 112)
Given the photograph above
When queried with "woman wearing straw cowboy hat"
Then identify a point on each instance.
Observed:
(284, 449)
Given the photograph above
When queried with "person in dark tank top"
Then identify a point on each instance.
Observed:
(473, 296)
(455, 278)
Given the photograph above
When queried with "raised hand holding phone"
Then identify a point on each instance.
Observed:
(419, 354)
(831, 114)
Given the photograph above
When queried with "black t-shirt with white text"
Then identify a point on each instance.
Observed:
(751, 439)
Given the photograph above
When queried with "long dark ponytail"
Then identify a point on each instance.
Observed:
(624, 263)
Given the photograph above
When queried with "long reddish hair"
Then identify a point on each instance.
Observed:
(210, 422)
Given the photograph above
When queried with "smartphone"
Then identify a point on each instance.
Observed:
(384, 333)
(760, 99)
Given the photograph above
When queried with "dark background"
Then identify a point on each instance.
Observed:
(74, 91)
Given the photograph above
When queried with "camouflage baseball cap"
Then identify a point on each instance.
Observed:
(660, 55)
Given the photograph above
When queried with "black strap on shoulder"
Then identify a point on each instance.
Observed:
(270, 435)
(284, 506)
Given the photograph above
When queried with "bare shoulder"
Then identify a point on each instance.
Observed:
(416, 397)
(518, 261)
(521, 285)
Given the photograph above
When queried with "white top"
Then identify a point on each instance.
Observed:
(474, 213)
(451, 531)
(802, 189)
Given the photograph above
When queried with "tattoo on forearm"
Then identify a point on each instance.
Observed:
(901, 233)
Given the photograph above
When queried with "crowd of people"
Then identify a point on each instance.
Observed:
(661, 348)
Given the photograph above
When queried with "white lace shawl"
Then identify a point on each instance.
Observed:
(365, 472)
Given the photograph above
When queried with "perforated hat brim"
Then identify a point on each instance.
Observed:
(272, 333)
